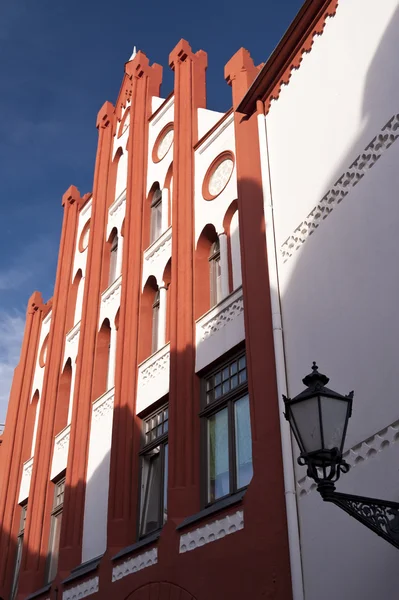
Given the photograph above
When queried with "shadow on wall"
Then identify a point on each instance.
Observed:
(332, 329)
(339, 292)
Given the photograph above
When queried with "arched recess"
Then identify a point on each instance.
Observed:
(101, 360)
(160, 589)
(169, 186)
(202, 302)
(75, 290)
(151, 212)
(110, 260)
(231, 227)
(63, 398)
(146, 333)
(114, 177)
(30, 427)
(167, 281)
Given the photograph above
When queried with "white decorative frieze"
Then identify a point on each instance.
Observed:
(211, 532)
(60, 454)
(356, 171)
(103, 405)
(359, 453)
(27, 469)
(161, 246)
(118, 205)
(134, 564)
(83, 589)
(72, 336)
(153, 380)
(219, 316)
(113, 292)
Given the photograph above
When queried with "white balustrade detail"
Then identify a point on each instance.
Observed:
(27, 469)
(134, 564)
(83, 589)
(157, 256)
(110, 300)
(220, 329)
(153, 380)
(60, 454)
(211, 532)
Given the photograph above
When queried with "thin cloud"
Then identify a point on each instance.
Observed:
(11, 331)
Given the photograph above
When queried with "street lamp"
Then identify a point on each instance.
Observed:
(319, 419)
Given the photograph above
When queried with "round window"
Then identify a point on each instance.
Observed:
(218, 176)
(84, 237)
(163, 143)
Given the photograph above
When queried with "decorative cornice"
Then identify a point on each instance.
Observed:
(83, 589)
(134, 564)
(160, 246)
(298, 40)
(385, 438)
(211, 532)
(355, 172)
(156, 363)
(114, 289)
(221, 314)
(103, 405)
(118, 203)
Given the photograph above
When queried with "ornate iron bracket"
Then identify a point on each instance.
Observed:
(381, 516)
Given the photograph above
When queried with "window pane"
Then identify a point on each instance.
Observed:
(218, 455)
(54, 546)
(112, 265)
(151, 488)
(243, 442)
(165, 483)
(14, 588)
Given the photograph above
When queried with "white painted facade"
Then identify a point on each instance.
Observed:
(333, 156)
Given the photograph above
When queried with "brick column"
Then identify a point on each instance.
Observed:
(11, 450)
(145, 82)
(190, 94)
(40, 497)
(264, 501)
(72, 521)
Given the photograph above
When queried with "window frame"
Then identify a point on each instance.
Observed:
(113, 259)
(146, 448)
(19, 550)
(228, 401)
(155, 322)
(56, 511)
(156, 207)
(214, 264)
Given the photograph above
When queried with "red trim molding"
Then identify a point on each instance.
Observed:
(298, 40)
(211, 169)
(161, 135)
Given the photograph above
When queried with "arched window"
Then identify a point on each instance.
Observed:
(215, 274)
(155, 322)
(156, 215)
(63, 399)
(101, 364)
(113, 259)
(79, 299)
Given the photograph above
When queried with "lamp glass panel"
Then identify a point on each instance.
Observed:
(307, 424)
(334, 416)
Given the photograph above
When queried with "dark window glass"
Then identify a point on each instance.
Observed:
(215, 274)
(228, 429)
(154, 472)
(20, 543)
(55, 530)
(113, 260)
(156, 216)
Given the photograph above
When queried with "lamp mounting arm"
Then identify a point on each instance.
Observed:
(381, 516)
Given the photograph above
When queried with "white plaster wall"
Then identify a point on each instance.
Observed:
(339, 286)
(80, 258)
(158, 171)
(220, 329)
(153, 380)
(235, 251)
(39, 375)
(121, 176)
(214, 211)
(206, 120)
(156, 258)
(97, 484)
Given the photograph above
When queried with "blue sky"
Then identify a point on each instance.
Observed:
(59, 61)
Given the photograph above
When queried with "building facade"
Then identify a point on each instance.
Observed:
(145, 453)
